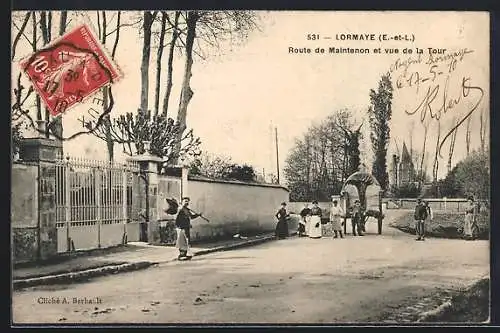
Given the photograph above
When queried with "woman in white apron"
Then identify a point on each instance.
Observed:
(470, 225)
(315, 221)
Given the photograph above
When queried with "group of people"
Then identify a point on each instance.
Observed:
(310, 220)
(423, 212)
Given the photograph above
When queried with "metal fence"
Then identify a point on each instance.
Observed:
(437, 204)
(94, 201)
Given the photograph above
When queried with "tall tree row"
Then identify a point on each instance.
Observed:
(380, 113)
(321, 160)
(192, 32)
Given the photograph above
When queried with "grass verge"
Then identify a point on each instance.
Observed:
(444, 225)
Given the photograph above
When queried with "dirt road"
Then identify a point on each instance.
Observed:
(298, 280)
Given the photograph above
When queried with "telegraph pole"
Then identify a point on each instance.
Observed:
(277, 155)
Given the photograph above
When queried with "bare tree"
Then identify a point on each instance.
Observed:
(103, 25)
(213, 26)
(159, 55)
(34, 46)
(482, 129)
(148, 19)
(173, 41)
(422, 159)
(435, 164)
(20, 33)
(46, 28)
(186, 92)
(467, 135)
(57, 124)
(452, 145)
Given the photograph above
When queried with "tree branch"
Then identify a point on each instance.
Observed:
(19, 33)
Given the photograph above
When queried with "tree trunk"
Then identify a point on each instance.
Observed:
(146, 51)
(35, 37)
(46, 29)
(49, 26)
(452, 147)
(117, 36)
(168, 90)
(107, 124)
(482, 130)
(159, 55)
(19, 34)
(426, 128)
(435, 165)
(58, 124)
(467, 136)
(186, 92)
(105, 90)
(62, 22)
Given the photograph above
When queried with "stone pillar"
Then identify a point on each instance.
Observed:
(43, 151)
(149, 166)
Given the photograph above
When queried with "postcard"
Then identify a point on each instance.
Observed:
(250, 167)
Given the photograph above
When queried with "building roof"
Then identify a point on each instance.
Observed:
(405, 155)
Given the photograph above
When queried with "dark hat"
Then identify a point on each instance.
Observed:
(283, 203)
(315, 202)
(186, 198)
(335, 201)
(470, 197)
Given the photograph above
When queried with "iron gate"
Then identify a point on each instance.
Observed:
(94, 202)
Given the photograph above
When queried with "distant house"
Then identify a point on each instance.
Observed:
(402, 170)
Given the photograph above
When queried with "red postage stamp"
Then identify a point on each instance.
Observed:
(70, 69)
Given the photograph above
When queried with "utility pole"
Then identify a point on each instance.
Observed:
(277, 155)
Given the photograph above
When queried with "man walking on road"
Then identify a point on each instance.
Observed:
(420, 215)
(183, 224)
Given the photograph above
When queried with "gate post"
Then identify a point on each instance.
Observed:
(98, 198)
(149, 167)
(67, 203)
(124, 203)
(43, 151)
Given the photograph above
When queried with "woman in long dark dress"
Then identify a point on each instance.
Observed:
(282, 225)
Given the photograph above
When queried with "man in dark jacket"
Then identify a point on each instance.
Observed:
(183, 224)
(357, 218)
(420, 215)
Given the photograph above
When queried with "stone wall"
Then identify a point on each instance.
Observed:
(235, 208)
(24, 212)
(33, 222)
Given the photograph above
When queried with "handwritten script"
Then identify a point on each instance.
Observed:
(433, 87)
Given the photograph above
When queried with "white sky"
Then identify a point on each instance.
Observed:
(240, 93)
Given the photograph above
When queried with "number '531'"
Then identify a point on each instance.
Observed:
(312, 36)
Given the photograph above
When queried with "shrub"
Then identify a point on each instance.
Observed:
(409, 190)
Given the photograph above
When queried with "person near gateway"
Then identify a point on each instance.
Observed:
(336, 214)
(357, 218)
(183, 226)
(304, 220)
(282, 215)
(315, 221)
